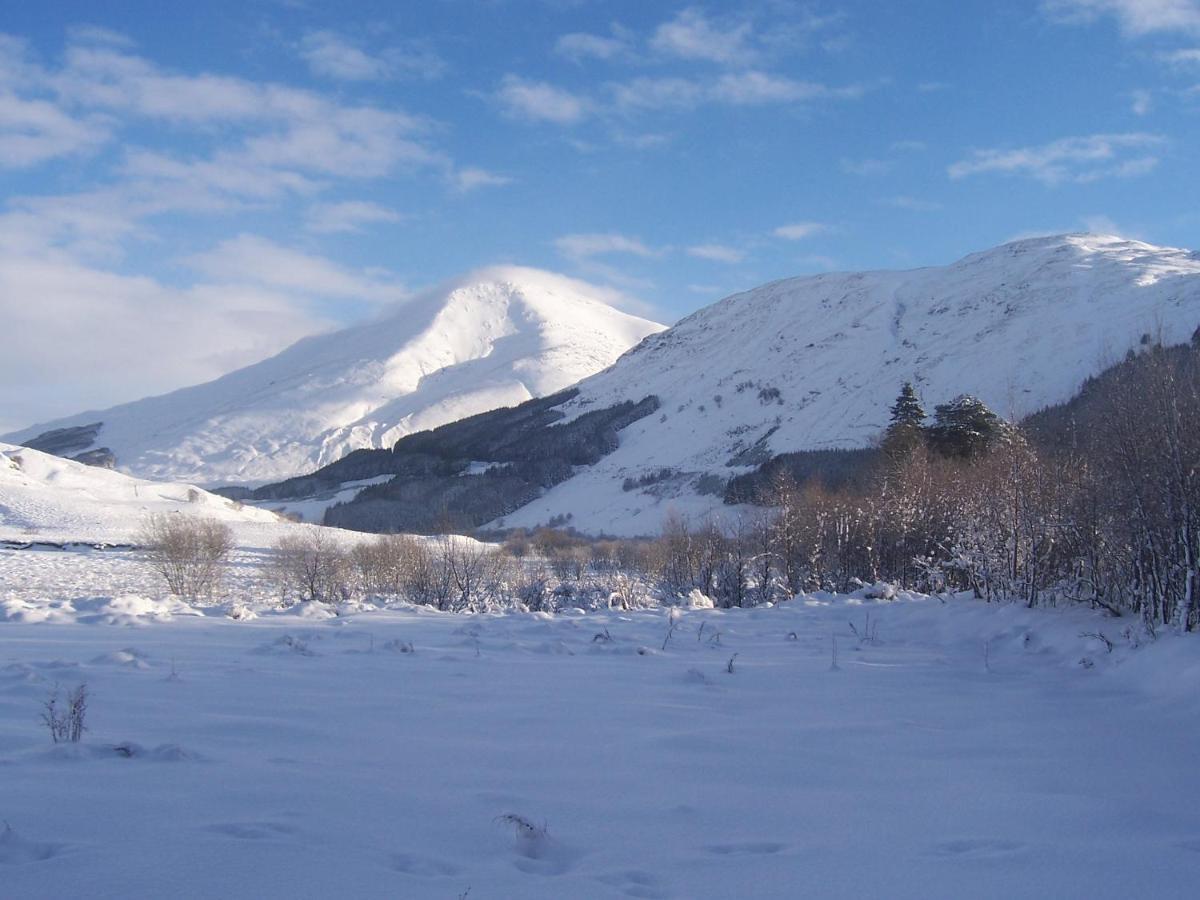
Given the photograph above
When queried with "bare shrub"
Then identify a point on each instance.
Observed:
(396, 565)
(469, 575)
(313, 567)
(65, 722)
(189, 552)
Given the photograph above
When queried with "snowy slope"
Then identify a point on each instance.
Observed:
(820, 359)
(494, 338)
(45, 498)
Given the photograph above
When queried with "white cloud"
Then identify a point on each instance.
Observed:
(692, 35)
(96, 337)
(1141, 102)
(816, 261)
(1101, 224)
(749, 88)
(335, 56)
(539, 101)
(1184, 58)
(1136, 18)
(330, 54)
(913, 204)
(648, 93)
(281, 126)
(865, 168)
(756, 88)
(717, 253)
(33, 131)
(472, 178)
(348, 216)
(584, 246)
(579, 46)
(1075, 159)
(798, 231)
(250, 259)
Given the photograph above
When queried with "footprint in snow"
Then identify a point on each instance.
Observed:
(252, 831)
(423, 866)
(16, 850)
(634, 883)
(129, 657)
(977, 848)
(748, 848)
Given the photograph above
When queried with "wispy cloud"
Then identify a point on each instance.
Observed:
(757, 88)
(336, 56)
(1136, 18)
(1141, 101)
(33, 131)
(913, 204)
(1187, 57)
(472, 178)
(250, 259)
(579, 46)
(539, 101)
(865, 168)
(747, 88)
(798, 231)
(1074, 159)
(348, 216)
(585, 246)
(209, 328)
(693, 35)
(721, 253)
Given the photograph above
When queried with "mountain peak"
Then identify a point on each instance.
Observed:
(493, 337)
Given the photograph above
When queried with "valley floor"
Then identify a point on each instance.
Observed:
(287, 756)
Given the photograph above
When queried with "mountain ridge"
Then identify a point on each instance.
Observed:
(809, 363)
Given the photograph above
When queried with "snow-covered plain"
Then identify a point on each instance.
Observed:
(492, 338)
(295, 756)
(243, 750)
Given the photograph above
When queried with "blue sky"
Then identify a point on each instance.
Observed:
(190, 187)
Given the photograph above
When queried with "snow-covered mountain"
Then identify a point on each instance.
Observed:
(493, 338)
(815, 362)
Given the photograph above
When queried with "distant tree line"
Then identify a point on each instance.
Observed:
(1096, 502)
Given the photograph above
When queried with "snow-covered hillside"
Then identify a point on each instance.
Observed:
(814, 363)
(47, 499)
(494, 338)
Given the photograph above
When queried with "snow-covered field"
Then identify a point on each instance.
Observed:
(240, 750)
(300, 755)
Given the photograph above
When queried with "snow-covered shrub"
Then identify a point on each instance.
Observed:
(313, 567)
(188, 551)
(66, 722)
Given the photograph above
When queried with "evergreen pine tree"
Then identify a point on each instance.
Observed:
(965, 428)
(905, 429)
